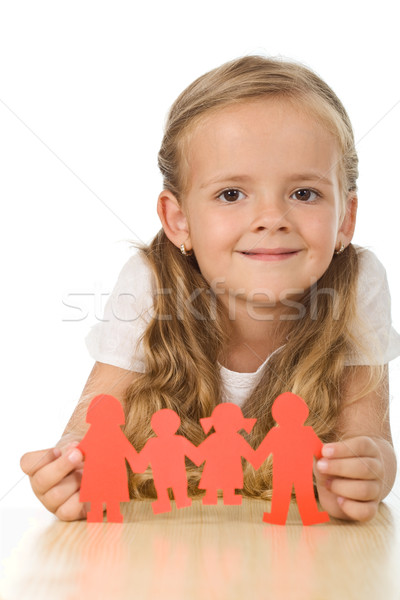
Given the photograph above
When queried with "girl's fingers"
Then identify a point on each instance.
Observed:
(352, 447)
(357, 468)
(72, 509)
(362, 490)
(51, 474)
(31, 462)
(67, 441)
(60, 493)
(358, 511)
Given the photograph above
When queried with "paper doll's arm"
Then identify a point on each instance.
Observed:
(250, 454)
(317, 444)
(263, 450)
(143, 458)
(82, 446)
(132, 456)
(204, 449)
(195, 453)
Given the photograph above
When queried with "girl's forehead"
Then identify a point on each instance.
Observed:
(269, 110)
(261, 135)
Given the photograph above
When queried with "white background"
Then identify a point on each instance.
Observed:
(84, 90)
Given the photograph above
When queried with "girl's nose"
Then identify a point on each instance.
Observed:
(272, 214)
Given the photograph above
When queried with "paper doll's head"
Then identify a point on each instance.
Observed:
(227, 417)
(165, 422)
(289, 409)
(105, 409)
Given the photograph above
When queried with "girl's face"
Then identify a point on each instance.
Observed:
(263, 206)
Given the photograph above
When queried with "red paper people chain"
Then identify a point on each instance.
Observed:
(106, 449)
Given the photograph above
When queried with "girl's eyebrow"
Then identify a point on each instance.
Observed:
(296, 177)
(311, 177)
(221, 179)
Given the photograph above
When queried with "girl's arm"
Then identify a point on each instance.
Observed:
(56, 473)
(103, 379)
(358, 471)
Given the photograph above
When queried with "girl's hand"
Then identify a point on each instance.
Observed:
(350, 478)
(55, 476)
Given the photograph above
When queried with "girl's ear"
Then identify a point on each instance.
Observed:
(346, 229)
(173, 220)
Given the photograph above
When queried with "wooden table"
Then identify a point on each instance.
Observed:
(206, 552)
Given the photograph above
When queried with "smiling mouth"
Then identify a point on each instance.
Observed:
(270, 251)
(270, 254)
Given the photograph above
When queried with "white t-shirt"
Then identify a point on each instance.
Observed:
(130, 305)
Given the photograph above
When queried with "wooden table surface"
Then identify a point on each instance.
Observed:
(205, 552)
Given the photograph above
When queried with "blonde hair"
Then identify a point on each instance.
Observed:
(187, 336)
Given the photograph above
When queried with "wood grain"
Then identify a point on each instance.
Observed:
(207, 552)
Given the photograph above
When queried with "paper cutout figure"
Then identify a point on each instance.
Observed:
(293, 446)
(222, 451)
(105, 449)
(166, 454)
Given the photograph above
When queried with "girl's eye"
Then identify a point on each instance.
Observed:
(305, 195)
(230, 195)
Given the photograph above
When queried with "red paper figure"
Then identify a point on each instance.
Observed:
(105, 449)
(223, 451)
(293, 446)
(166, 454)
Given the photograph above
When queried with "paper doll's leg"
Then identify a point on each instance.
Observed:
(308, 507)
(180, 492)
(231, 498)
(281, 496)
(211, 496)
(182, 500)
(95, 514)
(163, 503)
(114, 514)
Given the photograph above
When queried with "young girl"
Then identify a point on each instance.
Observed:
(251, 288)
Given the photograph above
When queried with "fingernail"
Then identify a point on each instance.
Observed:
(327, 451)
(57, 452)
(322, 464)
(328, 484)
(75, 456)
(340, 500)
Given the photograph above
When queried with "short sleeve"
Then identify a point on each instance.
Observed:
(116, 338)
(374, 330)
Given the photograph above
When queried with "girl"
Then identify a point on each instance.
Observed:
(251, 288)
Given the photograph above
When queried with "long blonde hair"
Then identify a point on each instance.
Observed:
(187, 335)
